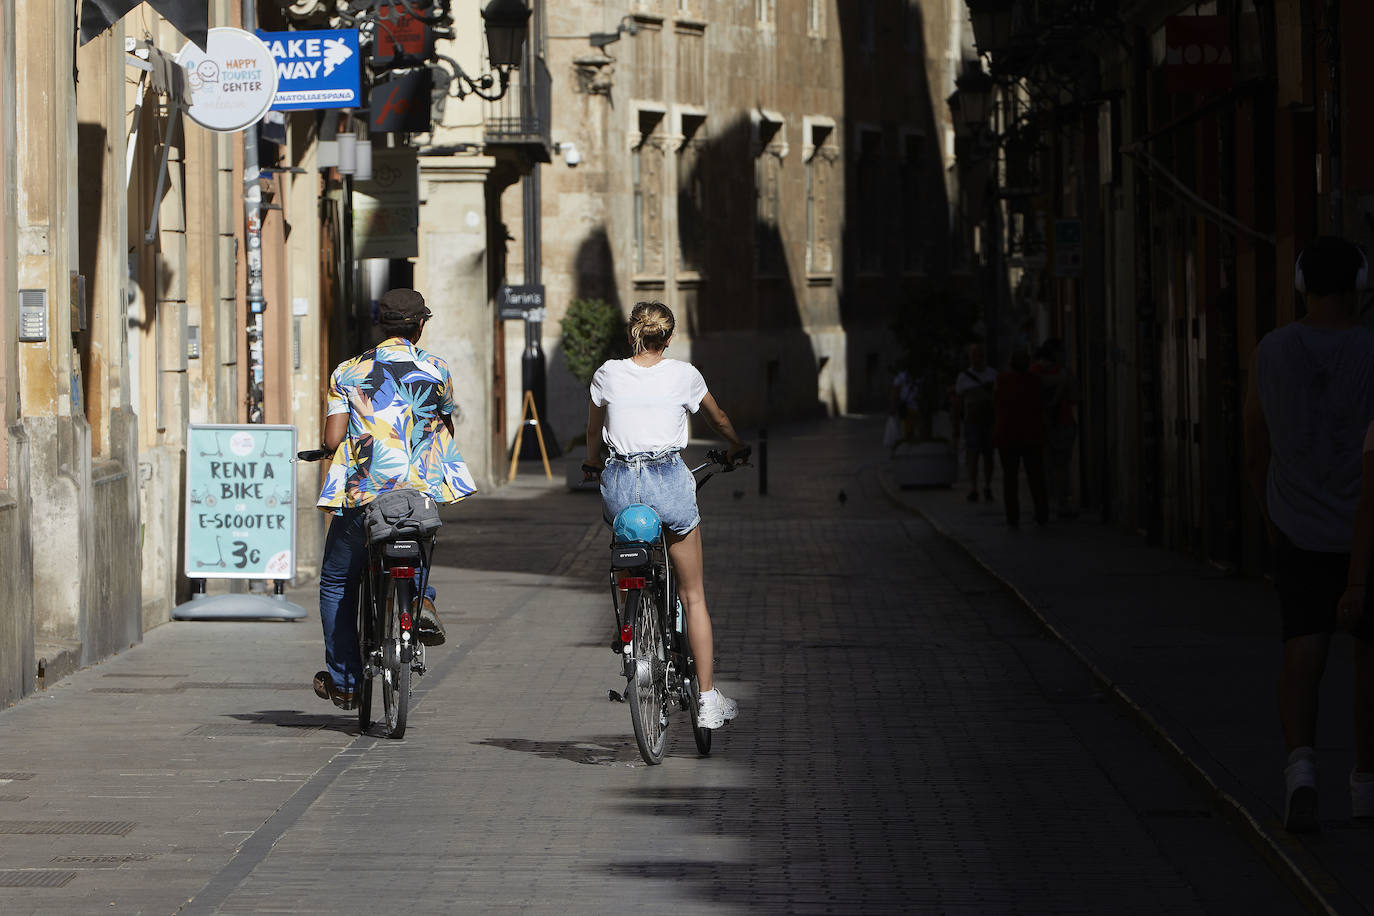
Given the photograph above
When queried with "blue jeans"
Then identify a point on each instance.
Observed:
(662, 481)
(341, 573)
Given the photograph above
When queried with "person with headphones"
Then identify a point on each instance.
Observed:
(1307, 416)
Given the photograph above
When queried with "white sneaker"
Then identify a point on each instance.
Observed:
(1300, 806)
(1361, 794)
(715, 709)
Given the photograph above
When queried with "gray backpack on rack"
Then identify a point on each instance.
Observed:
(401, 514)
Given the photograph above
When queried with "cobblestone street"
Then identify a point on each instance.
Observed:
(909, 740)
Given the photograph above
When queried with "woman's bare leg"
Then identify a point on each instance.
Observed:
(685, 552)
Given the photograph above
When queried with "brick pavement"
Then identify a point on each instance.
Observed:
(909, 741)
(1193, 652)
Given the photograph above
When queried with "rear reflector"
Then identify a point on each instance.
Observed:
(405, 620)
(632, 582)
(627, 633)
(402, 572)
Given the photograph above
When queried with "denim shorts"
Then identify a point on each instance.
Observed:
(661, 482)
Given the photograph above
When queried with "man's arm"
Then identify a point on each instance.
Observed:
(721, 424)
(335, 428)
(1257, 448)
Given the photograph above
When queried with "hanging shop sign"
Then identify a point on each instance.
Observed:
(232, 81)
(316, 69)
(1197, 54)
(402, 103)
(240, 502)
(386, 208)
(402, 36)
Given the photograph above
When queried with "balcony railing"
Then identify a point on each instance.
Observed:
(521, 117)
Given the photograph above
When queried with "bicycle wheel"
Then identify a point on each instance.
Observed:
(366, 640)
(395, 672)
(646, 688)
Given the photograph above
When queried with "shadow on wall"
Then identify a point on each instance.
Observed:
(895, 229)
(747, 326)
(593, 278)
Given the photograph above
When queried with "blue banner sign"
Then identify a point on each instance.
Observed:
(316, 69)
(240, 502)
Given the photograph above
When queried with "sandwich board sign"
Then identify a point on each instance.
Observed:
(240, 517)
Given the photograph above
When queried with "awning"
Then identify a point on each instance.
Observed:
(189, 17)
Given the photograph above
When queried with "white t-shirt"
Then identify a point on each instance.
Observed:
(974, 378)
(646, 409)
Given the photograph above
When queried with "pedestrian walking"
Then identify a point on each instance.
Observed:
(1059, 395)
(974, 393)
(902, 412)
(1307, 412)
(1018, 434)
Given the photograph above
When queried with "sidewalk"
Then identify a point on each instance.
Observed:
(1193, 652)
(908, 741)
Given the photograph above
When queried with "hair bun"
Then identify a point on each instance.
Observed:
(651, 324)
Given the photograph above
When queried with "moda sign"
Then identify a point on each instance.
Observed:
(232, 81)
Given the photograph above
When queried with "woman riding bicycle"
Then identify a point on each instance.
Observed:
(639, 411)
(390, 410)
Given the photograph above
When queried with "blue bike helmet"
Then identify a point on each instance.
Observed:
(637, 522)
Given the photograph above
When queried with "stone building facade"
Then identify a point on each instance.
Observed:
(108, 190)
(742, 162)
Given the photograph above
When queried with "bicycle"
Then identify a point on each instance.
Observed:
(396, 575)
(651, 633)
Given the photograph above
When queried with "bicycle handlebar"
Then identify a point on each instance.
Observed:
(722, 458)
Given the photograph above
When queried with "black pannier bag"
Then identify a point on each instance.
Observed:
(401, 514)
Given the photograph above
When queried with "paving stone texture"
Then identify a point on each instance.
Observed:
(910, 740)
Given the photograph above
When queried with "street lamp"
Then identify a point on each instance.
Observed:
(992, 24)
(505, 22)
(973, 91)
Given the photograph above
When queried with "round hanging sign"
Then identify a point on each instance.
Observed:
(232, 81)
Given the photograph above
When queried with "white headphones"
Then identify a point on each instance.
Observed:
(1361, 275)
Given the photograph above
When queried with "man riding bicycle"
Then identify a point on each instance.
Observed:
(390, 409)
(639, 409)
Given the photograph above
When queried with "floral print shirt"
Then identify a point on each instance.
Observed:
(396, 396)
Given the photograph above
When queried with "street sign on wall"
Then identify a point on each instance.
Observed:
(318, 68)
(386, 209)
(518, 300)
(240, 502)
(232, 81)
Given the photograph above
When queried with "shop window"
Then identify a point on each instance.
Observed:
(869, 193)
(770, 149)
(915, 220)
(646, 164)
(820, 156)
(691, 191)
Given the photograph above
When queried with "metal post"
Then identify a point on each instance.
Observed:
(763, 461)
(252, 230)
(532, 364)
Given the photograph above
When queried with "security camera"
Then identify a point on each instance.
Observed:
(571, 157)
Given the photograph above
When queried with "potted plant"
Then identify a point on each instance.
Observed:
(593, 332)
